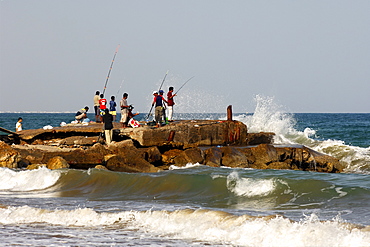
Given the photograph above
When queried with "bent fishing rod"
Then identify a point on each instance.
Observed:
(110, 69)
(147, 117)
(184, 84)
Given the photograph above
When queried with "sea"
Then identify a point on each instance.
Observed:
(198, 205)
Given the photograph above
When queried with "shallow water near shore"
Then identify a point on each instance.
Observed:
(198, 205)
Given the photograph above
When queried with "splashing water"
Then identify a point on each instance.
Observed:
(271, 117)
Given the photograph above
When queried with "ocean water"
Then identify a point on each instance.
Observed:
(198, 205)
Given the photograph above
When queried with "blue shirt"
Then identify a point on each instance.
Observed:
(112, 105)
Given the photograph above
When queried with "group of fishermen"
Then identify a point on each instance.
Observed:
(107, 114)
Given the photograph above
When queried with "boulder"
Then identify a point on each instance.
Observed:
(168, 157)
(153, 155)
(233, 157)
(101, 167)
(57, 162)
(279, 166)
(8, 156)
(260, 138)
(190, 132)
(264, 154)
(129, 163)
(35, 166)
(79, 141)
(213, 157)
(191, 155)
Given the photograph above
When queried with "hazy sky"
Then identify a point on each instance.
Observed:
(311, 56)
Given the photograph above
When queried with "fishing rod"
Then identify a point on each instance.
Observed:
(119, 88)
(151, 108)
(110, 69)
(184, 84)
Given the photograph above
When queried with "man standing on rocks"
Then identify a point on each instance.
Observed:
(170, 104)
(96, 106)
(102, 106)
(108, 126)
(158, 102)
(124, 110)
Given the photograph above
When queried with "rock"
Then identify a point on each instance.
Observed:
(129, 163)
(260, 138)
(265, 154)
(79, 140)
(190, 132)
(213, 157)
(57, 163)
(232, 157)
(279, 166)
(153, 155)
(8, 156)
(100, 167)
(168, 157)
(35, 166)
(191, 155)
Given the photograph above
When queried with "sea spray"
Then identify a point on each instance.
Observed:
(271, 117)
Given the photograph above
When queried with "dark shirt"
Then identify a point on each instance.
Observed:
(108, 121)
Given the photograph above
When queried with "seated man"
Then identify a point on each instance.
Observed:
(81, 114)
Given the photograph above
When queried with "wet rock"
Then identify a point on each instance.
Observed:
(260, 138)
(233, 157)
(8, 156)
(191, 155)
(35, 166)
(101, 167)
(129, 163)
(213, 157)
(57, 162)
(153, 155)
(168, 157)
(279, 166)
(264, 154)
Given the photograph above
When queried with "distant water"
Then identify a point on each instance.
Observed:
(199, 205)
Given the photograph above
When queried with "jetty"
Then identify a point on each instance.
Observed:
(150, 149)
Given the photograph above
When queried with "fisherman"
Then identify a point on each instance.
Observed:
(158, 102)
(81, 115)
(161, 92)
(124, 110)
(170, 103)
(18, 125)
(96, 106)
(112, 108)
(108, 126)
(102, 106)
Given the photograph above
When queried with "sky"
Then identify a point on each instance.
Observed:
(308, 55)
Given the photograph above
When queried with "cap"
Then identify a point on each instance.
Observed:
(155, 92)
(161, 91)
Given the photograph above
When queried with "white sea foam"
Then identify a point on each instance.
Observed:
(271, 117)
(27, 180)
(210, 226)
(249, 187)
(187, 166)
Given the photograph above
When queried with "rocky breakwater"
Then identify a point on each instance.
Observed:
(149, 149)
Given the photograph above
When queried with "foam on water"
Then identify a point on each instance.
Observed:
(211, 226)
(271, 117)
(17, 180)
(249, 187)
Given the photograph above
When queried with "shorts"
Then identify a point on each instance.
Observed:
(113, 113)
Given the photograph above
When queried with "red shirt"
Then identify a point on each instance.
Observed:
(103, 104)
(170, 99)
